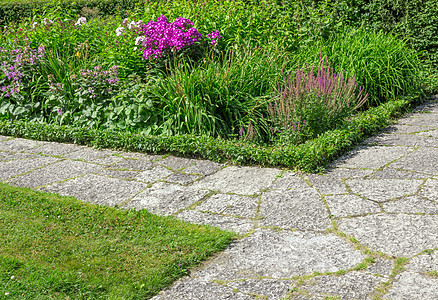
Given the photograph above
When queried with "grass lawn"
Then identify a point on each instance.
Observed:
(54, 247)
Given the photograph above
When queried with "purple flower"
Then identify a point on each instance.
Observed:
(59, 111)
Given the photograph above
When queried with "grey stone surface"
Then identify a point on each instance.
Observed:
(53, 173)
(424, 263)
(422, 119)
(268, 288)
(118, 173)
(139, 155)
(97, 189)
(16, 155)
(421, 160)
(3, 137)
(289, 180)
(176, 163)
(56, 149)
(391, 173)
(179, 178)
(203, 167)
(154, 174)
(381, 190)
(12, 168)
(344, 173)
(352, 285)
(411, 205)
(406, 128)
(19, 144)
(410, 140)
(430, 189)
(133, 164)
(395, 234)
(327, 184)
(411, 285)
(281, 254)
(238, 180)
(230, 205)
(350, 205)
(430, 133)
(382, 267)
(361, 157)
(301, 209)
(240, 226)
(165, 198)
(96, 156)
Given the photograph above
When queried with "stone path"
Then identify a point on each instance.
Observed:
(367, 228)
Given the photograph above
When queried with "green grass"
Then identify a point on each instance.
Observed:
(58, 247)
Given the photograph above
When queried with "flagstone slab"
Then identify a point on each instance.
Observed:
(344, 173)
(183, 179)
(97, 189)
(350, 205)
(408, 140)
(381, 267)
(240, 226)
(236, 205)
(391, 173)
(381, 190)
(177, 163)
(4, 137)
(96, 156)
(360, 157)
(352, 285)
(140, 155)
(424, 263)
(165, 198)
(267, 288)
(393, 234)
(289, 181)
(423, 119)
(8, 156)
(53, 173)
(405, 128)
(203, 167)
(56, 149)
(281, 255)
(301, 209)
(430, 190)
(326, 185)
(430, 133)
(133, 164)
(118, 173)
(421, 160)
(411, 285)
(411, 205)
(154, 174)
(12, 168)
(19, 144)
(238, 180)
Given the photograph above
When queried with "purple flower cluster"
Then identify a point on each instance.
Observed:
(214, 36)
(162, 35)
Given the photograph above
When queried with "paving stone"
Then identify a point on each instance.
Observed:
(53, 173)
(104, 157)
(240, 226)
(12, 168)
(411, 205)
(154, 174)
(411, 285)
(381, 267)
(404, 128)
(410, 140)
(423, 119)
(3, 137)
(424, 263)
(289, 180)
(381, 155)
(230, 205)
(139, 155)
(269, 288)
(327, 185)
(352, 285)
(281, 254)
(381, 190)
(239, 180)
(391, 173)
(203, 167)
(56, 149)
(395, 234)
(181, 178)
(430, 189)
(19, 144)
(199, 289)
(176, 163)
(430, 133)
(133, 164)
(343, 173)
(302, 209)
(165, 198)
(421, 160)
(8, 156)
(97, 189)
(350, 205)
(118, 173)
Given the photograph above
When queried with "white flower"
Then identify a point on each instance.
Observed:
(119, 31)
(12, 277)
(131, 24)
(6, 294)
(34, 24)
(81, 21)
(45, 20)
(135, 48)
(139, 39)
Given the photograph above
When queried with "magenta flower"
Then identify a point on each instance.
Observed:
(59, 111)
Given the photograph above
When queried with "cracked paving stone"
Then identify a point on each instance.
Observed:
(177, 163)
(390, 173)
(411, 205)
(421, 160)
(181, 178)
(203, 167)
(199, 289)
(327, 185)
(424, 263)
(104, 157)
(430, 190)
(350, 205)
(238, 180)
(411, 140)
(352, 285)
(230, 205)
(281, 254)
(56, 172)
(140, 156)
(394, 234)
(118, 173)
(272, 289)
(56, 149)
(165, 198)
(289, 181)
(15, 156)
(133, 164)
(97, 189)
(154, 174)
(360, 157)
(302, 209)
(240, 226)
(19, 144)
(411, 285)
(342, 173)
(424, 119)
(381, 267)
(11, 168)
(381, 190)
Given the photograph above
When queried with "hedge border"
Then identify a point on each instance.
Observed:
(312, 156)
